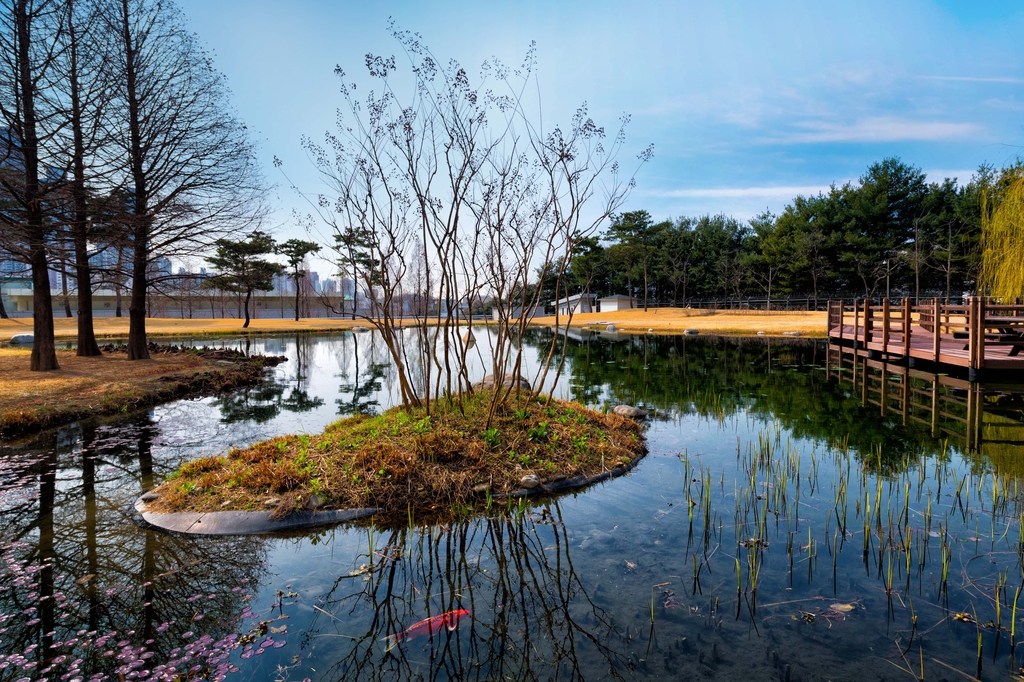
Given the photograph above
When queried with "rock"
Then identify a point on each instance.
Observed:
(611, 328)
(762, 333)
(691, 332)
(272, 502)
(22, 339)
(630, 412)
(150, 497)
(488, 383)
(481, 488)
(529, 482)
(314, 502)
(650, 331)
(791, 334)
(360, 329)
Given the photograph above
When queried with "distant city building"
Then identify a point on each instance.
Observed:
(162, 266)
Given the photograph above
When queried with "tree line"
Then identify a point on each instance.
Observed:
(890, 232)
(116, 133)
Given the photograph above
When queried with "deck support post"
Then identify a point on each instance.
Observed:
(883, 392)
(981, 332)
(885, 327)
(906, 328)
(869, 317)
(856, 323)
(936, 328)
(935, 406)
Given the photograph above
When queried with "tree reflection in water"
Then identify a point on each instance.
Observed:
(531, 616)
(77, 568)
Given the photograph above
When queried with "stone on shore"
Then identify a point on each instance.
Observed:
(692, 332)
(630, 412)
(488, 382)
(529, 482)
(22, 339)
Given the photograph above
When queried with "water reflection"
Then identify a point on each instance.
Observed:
(79, 569)
(533, 617)
(596, 586)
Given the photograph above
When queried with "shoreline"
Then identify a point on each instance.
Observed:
(109, 384)
(405, 461)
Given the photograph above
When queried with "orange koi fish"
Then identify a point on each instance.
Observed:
(429, 626)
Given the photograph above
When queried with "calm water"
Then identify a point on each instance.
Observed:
(795, 519)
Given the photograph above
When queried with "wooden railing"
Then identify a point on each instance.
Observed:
(960, 334)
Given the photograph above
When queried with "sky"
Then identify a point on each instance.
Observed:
(747, 104)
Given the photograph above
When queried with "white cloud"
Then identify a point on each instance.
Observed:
(877, 129)
(962, 176)
(738, 192)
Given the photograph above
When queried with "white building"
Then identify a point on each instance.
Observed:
(610, 304)
(516, 313)
(580, 303)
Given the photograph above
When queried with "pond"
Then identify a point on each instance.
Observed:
(800, 516)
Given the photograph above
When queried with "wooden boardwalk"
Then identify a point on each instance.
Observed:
(978, 335)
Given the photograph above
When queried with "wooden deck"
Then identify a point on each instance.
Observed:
(979, 336)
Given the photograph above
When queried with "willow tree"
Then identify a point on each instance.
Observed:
(1002, 238)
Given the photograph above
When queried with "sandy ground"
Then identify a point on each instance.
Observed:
(661, 320)
(82, 380)
(726, 322)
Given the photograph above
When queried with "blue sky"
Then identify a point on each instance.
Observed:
(746, 103)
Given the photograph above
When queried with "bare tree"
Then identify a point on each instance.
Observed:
(30, 38)
(456, 194)
(190, 162)
(86, 80)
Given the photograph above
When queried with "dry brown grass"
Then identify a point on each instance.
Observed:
(117, 327)
(88, 380)
(404, 459)
(725, 322)
(103, 385)
(662, 320)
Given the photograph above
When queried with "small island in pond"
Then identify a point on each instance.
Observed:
(405, 460)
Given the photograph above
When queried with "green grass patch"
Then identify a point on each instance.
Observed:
(407, 459)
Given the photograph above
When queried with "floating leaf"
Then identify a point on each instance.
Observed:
(842, 608)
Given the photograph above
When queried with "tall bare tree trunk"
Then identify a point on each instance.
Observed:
(117, 281)
(44, 354)
(64, 286)
(87, 346)
(137, 349)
